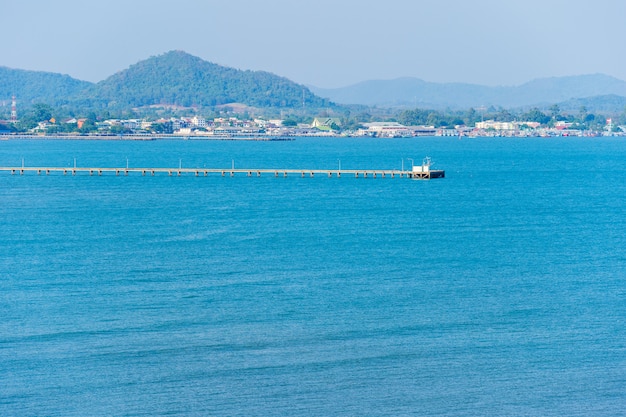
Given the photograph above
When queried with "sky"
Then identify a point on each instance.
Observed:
(324, 43)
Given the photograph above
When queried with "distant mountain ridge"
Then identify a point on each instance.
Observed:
(180, 79)
(174, 78)
(414, 92)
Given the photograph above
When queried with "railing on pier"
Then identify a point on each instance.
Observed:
(357, 173)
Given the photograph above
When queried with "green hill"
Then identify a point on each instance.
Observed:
(39, 87)
(177, 78)
(174, 78)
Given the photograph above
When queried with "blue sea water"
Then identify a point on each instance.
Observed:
(497, 291)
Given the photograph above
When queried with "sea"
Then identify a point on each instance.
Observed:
(499, 290)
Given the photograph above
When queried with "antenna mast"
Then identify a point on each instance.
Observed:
(13, 110)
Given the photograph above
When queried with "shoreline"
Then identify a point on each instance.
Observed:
(259, 138)
(20, 136)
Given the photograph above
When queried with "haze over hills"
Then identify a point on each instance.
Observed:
(414, 92)
(180, 79)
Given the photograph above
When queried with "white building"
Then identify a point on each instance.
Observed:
(199, 121)
(131, 123)
(490, 124)
(388, 129)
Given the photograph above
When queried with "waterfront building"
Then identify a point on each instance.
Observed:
(387, 130)
(423, 130)
(325, 123)
(199, 121)
(491, 124)
(131, 124)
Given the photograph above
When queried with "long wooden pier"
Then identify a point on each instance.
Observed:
(98, 171)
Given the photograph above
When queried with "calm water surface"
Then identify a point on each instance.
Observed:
(499, 290)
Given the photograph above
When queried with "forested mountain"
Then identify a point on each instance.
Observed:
(182, 79)
(174, 78)
(413, 92)
(39, 87)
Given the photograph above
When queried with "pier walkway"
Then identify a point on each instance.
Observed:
(357, 173)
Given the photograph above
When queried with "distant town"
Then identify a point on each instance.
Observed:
(232, 127)
(40, 122)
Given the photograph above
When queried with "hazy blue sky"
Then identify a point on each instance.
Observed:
(326, 43)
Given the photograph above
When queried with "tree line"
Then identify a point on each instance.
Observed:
(582, 120)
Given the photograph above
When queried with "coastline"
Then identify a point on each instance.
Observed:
(142, 137)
